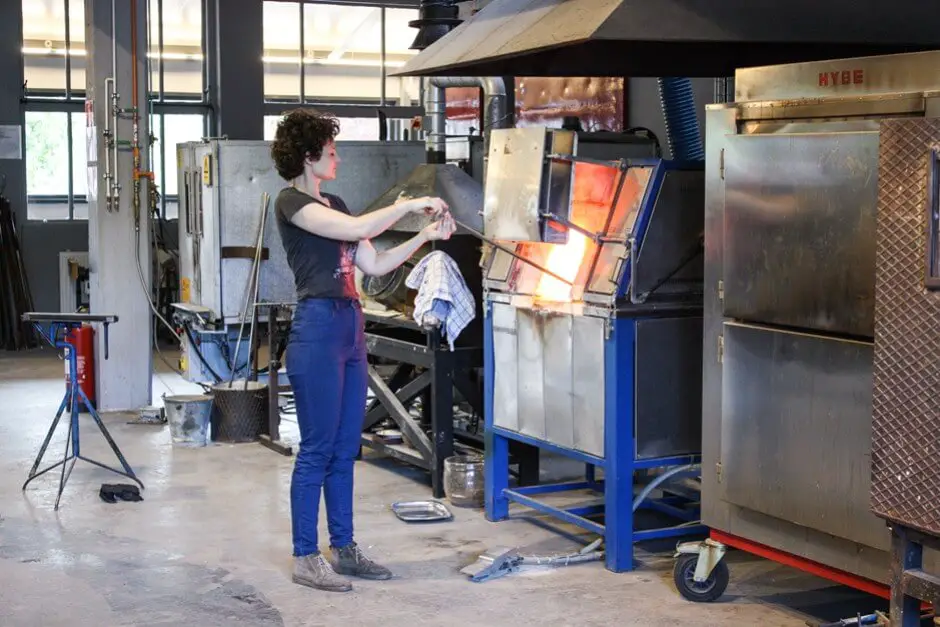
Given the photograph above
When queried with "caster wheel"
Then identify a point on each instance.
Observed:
(705, 592)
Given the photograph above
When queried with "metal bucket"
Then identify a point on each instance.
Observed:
(241, 412)
(188, 416)
(463, 480)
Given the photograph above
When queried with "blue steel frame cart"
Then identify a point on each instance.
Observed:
(593, 333)
(48, 325)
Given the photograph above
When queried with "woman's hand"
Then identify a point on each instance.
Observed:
(440, 230)
(428, 205)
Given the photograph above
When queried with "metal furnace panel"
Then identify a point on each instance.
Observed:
(558, 379)
(799, 229)
(530, 373)
(189, 285)
(795, 429)
(906, 418)
(244, 171)
(521, 183)
(671, 249)
(206, 220)
(668, 387)
(549, 377)
(589, 398)
(505, 360)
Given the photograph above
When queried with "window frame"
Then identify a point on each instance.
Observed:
(71, 100)
(382, 102)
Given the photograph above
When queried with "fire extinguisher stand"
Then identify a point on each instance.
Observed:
(49, 325)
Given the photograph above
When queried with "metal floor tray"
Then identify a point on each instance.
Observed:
(421, 511)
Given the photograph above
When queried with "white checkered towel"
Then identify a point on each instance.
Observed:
(442, 294)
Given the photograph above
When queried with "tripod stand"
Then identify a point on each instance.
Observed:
(66, 322)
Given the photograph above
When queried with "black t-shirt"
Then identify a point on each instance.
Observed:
(322, 267)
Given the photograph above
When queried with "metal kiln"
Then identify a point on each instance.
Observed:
(794, 169)
(593, 327)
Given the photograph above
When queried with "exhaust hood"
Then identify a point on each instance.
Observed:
(462, 194)
(706, 38)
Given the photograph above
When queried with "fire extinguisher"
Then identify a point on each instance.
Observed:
(82, 341)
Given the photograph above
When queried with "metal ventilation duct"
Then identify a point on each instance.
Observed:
(436, 18)
(671, 37)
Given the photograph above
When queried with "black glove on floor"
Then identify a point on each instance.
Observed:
(111, 492)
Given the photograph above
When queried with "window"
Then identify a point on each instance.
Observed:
(177, 54)
(353, 129)
(56, 174)
(171, 129)
(53, 46)
(330, 53)
(404, 91)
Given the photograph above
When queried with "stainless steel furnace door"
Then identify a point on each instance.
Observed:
(795, 430)
(799, 224)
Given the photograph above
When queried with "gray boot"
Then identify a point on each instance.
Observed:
(349, 560)
(316, 572)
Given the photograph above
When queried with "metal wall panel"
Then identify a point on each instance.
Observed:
(906, 419)
(668, 387)
(796, 429)
(799, 223)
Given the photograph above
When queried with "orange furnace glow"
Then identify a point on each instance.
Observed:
(565, 261)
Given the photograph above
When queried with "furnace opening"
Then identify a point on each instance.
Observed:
(564, 260)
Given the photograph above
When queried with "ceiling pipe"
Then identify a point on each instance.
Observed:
(495, 114)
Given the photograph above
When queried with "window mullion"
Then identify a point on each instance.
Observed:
(303, 53)
(70, 148)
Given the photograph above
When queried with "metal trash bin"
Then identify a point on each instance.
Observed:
(240, 411)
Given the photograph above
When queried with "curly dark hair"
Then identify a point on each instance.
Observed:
(301, 133)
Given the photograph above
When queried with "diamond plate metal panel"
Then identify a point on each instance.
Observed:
(906, 405)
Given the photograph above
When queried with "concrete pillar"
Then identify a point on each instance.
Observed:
(118, 233)
(235, 45)
(13, 171)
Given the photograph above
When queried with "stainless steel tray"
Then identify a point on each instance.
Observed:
(421, 511)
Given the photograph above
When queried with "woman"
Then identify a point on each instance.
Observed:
(326, 354)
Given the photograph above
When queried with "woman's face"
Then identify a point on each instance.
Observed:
(324, 168)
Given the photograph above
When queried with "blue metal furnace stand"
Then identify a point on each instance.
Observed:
(612, 379)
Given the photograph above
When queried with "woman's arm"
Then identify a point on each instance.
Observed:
(379, 263)
(325, 222)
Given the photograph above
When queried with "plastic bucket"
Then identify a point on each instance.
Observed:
(188, 416)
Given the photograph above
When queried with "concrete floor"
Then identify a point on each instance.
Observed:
(210, 544)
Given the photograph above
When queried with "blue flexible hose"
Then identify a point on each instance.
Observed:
(682, 130)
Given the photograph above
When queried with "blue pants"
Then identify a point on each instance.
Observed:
(326, 365)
